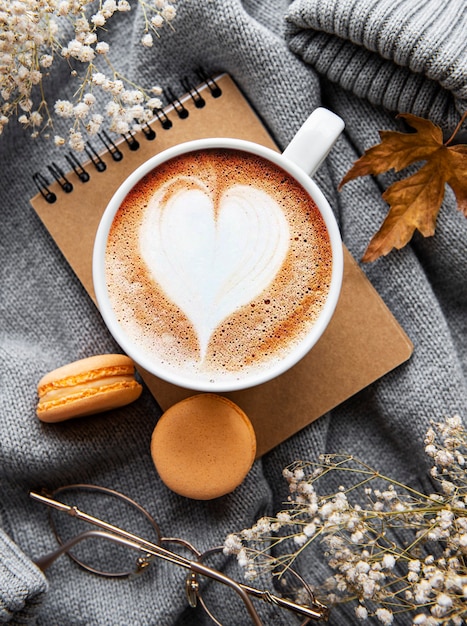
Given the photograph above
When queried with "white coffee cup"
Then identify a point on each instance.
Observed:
(300, 160)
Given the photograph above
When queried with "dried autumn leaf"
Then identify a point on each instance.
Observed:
(458, 175)
(414, 201)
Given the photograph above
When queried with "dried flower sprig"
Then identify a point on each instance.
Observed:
(394, 550)
(31, 43)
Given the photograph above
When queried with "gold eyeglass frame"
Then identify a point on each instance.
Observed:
(315, 610)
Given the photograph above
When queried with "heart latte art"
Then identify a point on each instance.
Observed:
(211, 255)
(217, 264)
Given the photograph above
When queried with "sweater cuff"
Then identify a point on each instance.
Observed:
(404, 55)
(22, 584)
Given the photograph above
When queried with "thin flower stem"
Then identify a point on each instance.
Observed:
(457, 129)
(373, 475)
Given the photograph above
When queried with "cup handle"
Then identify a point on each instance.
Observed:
(314, 140)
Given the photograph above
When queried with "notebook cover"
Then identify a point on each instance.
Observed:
(363, 341)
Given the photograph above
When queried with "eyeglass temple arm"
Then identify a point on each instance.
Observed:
(320, 612)
(44, 562)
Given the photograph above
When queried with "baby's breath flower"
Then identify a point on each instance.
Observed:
(26, 104)
(98, 19)
(445, 602)
(362, 539)
(102, 47)
(36, 118)
(356, 537)
(157, 21)
(154, 103)
(169, 12)
(46, 60)
(86, 54)
(76, 141)
(444, 458)
(64, 108)
(362, 567)
(232, 544)
(147, 40)
(89, 39)
(81, 110)
(430, 436)
(98, 78)
(301, 539)
(116, 87)
(242, 558)
(310, 529)
(389, 561)
(361, 612)
(31, 44)
(368, 587)
(93, 126)
(133, 96)
(283, 517)
(120, 126)
(109, 7)
(384, 616)
(446, 518)
(89, 99)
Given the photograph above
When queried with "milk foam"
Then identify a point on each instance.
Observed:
(211, 258)
(212, 276)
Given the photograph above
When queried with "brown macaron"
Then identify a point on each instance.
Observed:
(203, 446)
(98, 383)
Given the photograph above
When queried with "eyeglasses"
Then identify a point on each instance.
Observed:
(107, 550)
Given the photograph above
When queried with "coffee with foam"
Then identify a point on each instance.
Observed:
(218, 263)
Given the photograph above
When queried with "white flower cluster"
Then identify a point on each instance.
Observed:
(30, 45)
(395, 551)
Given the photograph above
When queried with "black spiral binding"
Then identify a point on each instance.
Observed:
(77, 167)
(42, 184)
(115, 153)
(210, 82)
(133, 144)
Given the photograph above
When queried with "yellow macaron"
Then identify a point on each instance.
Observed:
(203, 447)
(92, 385)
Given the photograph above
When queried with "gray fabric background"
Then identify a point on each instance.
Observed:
(364, 59)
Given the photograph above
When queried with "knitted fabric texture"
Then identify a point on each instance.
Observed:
(401, 55)
(364, 59)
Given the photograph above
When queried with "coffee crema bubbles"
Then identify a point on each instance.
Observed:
(218, 263)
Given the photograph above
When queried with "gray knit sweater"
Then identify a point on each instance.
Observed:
(364, 59)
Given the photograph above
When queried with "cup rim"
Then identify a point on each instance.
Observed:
(284, 363)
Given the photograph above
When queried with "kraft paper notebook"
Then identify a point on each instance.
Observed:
(363, 341)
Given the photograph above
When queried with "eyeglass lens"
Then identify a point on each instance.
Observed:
(99, 555)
